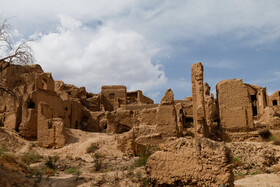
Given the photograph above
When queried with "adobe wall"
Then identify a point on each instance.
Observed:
(51, 132)
(138, 97)
(113, 96)
(235, 108)
(166, 116)
(274, 99)
(140, 106)
(258, 97)
(181, 162)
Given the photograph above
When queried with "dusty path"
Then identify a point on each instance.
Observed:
(261, 180)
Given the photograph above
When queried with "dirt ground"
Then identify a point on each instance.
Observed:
(257, 163)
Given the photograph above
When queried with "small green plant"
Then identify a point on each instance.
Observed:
(138, 175)
(146, 153)
(146, 182)
(265, 133)
(31, 157)
(97, 159)
(255, 172)
(31, 145)
(37, 173)
(2, 150)
(69, 157)
(272, 138)
(71, 170)
(238, 175)
(92, 148)
(74, 171)
(236, 161)
(108, 169)
(51, 162)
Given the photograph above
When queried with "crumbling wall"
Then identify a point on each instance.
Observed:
(120, 121)
(44, 92)
(113, 96)
(269, 119)
(182, 162)
(16, 82)
(51, 133)
(258, 98)
(274, 100)
(262, 100)
(166, 116)
(199, 118)
(138, 97)
(235, 108)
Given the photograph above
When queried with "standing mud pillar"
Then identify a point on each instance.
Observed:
(200, 126)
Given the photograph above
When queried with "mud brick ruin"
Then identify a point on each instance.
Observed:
(39, 108)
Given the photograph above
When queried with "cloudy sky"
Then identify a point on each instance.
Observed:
(150, 45)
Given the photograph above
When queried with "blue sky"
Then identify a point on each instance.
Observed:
(150, 45)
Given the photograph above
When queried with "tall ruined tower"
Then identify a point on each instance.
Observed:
(200, 126)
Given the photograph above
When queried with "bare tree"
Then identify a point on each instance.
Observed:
(10, 54)
(22, 54)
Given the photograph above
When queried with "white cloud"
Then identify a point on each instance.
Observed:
(161, 21)
(257, 21)
(82, 56)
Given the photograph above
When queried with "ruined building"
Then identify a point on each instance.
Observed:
(28, 96)
(39, 108)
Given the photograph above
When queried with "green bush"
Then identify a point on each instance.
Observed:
(71, 170)
(2, 150)
(97, 159)
(31, 157)
(236, 161)
(92, 148)
(51, 162)
(147, 152)
(74, 171)
(37, 173)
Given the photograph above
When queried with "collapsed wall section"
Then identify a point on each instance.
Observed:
(51, 132)
(182, 162)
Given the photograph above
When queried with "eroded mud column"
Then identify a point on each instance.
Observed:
(200, 126)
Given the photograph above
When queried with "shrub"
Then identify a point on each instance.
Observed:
(238, 175)
(236, 161)
(147, 152)
(37, 173)
(31, 157)
(272, 138)
(256, 172)
(74, 171)
(92, 148)
(264, 133)
(31, 145)
(146, 182)
(2, 150)
(69, 157)
(51, 162)
(98, 161)
(71, 170)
